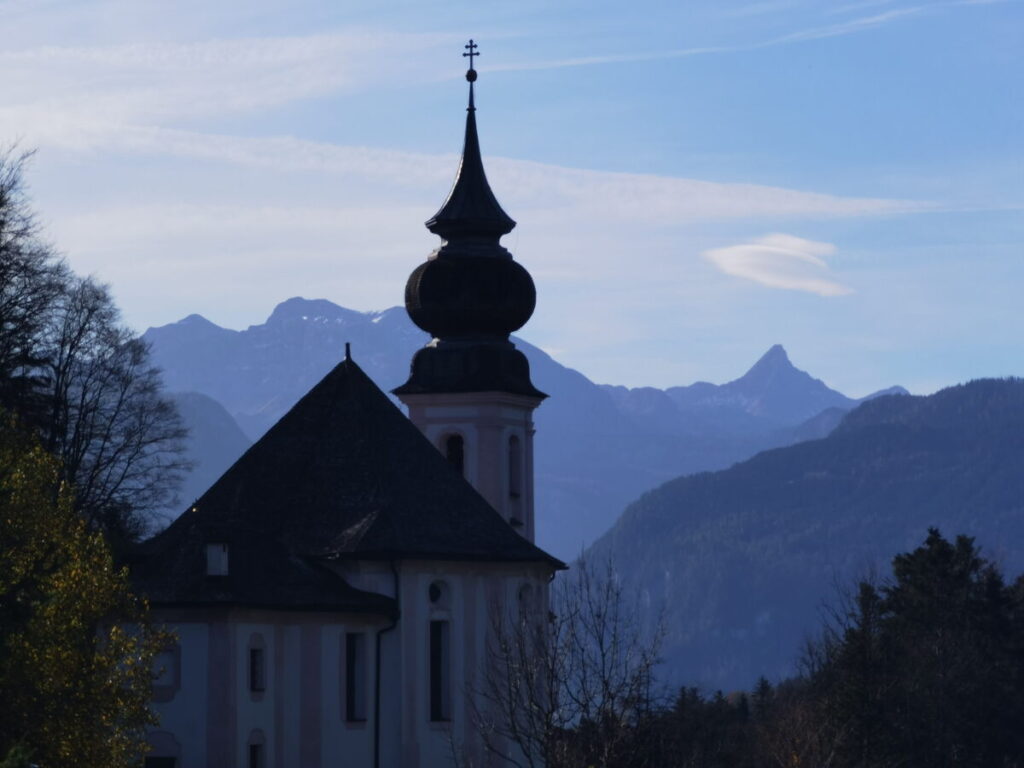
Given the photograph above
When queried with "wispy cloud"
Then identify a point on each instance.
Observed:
(154, 83)
(781, 261)
(838, 29)
(640, 198)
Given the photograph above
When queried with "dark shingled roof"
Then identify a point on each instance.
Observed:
(343, 475)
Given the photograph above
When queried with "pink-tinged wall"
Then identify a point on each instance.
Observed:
(221, 690)
(311, 704)
(300, 716)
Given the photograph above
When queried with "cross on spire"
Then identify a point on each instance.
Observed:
(471, 47)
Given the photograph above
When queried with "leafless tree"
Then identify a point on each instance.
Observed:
(120, 440)
(569, 684)
(70, 369)
(31, 279)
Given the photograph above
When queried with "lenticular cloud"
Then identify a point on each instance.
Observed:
(781, 261)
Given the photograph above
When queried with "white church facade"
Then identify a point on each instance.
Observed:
(333, 593)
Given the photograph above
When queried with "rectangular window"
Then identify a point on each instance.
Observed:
(216, 559)
(257, 677)
(355, 677)
(440, 671)
(165, 672)
(255, 756)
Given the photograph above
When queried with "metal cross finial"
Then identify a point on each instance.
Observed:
(472, 52)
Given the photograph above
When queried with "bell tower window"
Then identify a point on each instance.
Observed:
(455, 452)
(515, 468)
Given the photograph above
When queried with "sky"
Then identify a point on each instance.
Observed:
(692, 181)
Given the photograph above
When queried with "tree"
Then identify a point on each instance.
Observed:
(70, 369)
(120, 441)
(31, 280)
(573, 685)
(76, 650)
(925, 669)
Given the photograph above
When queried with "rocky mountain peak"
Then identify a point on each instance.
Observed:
(771, 363)
(298, 309)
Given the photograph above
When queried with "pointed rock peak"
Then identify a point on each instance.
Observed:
(471, 209)
(774, 359)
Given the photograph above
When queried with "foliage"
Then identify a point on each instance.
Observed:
(71, 370)
(925, 669)
(75, 647)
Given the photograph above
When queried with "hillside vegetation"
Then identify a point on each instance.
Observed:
(744, 559)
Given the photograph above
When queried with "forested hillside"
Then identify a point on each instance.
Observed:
(744, 559)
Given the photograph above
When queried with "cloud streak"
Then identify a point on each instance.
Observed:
(781, 261)
(838, 29)
(160, 82)
(640, 198)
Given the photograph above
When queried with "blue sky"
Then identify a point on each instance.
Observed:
(693, 181)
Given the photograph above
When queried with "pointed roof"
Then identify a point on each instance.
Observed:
(471, 208)
(343, 475)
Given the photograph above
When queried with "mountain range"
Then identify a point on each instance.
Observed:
(597, 447)
(747, 560)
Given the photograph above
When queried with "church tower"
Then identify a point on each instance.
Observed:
(469, 389)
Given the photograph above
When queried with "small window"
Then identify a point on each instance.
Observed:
(257, 670)
(160, 762)
(455, 452)
(216, 559)
(515, 468)
(525, 598)
(166, 674)
(165, 668)
(355, 677)
(437, 594)
(440, 671)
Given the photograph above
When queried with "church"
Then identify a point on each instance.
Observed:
(333, 593)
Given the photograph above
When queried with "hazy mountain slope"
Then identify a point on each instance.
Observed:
(597, 447)
(215, 441)
(743, 558)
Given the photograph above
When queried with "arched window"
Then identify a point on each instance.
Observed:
(515, 468)
(455, 452)
(257, 667)
(438, 593)
(440, 671)
(355, 677)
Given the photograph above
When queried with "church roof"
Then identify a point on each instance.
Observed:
(343, 475)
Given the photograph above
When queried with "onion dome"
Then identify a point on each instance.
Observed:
(470, 294)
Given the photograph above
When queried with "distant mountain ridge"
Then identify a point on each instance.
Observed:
(745, 557)
(772, 395)
(597, 447)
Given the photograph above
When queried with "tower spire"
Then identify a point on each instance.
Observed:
(471, 209)
(470, 294)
